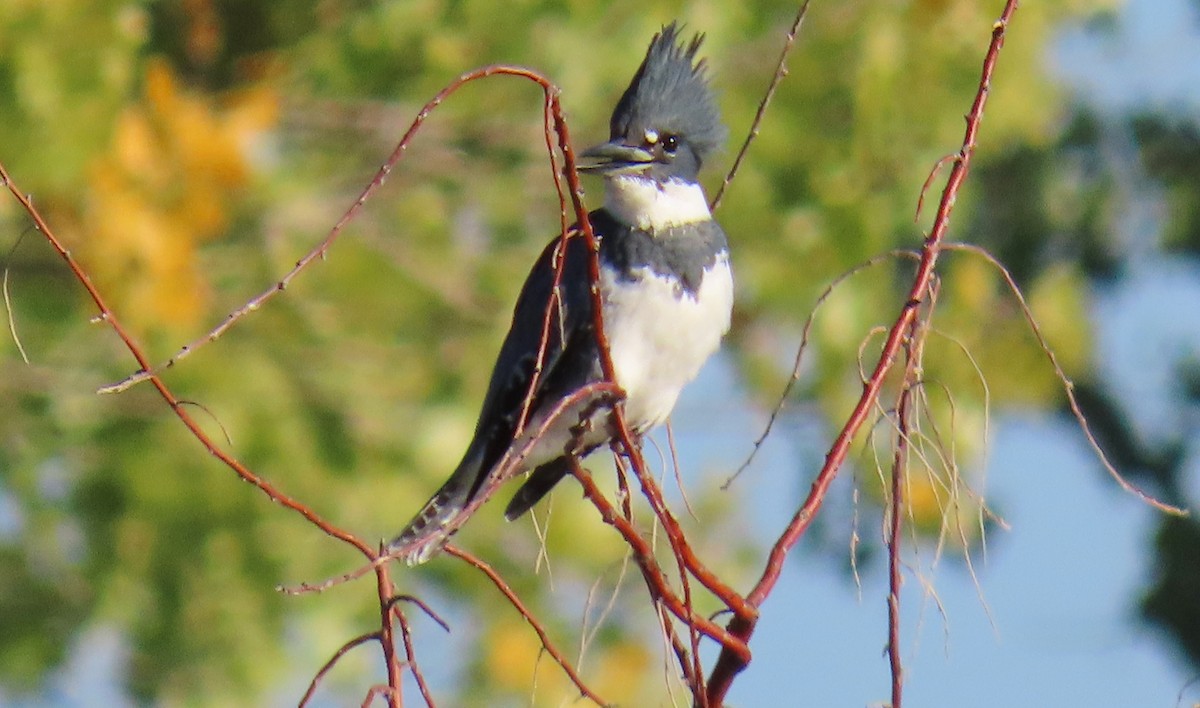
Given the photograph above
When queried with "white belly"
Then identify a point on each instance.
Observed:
(660, 336)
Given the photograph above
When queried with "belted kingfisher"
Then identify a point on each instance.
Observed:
(665, 285)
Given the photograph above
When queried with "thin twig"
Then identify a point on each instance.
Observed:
(687, 503)
(933, 173)
(1068, 385)
(1195, 680)
(322, 248)
(587, 637)
(328, 665)
(781, 71)
(215, 419)
(410, 651)
(8, 306)
(805, 333)
(532, 621)
(107, 316)
(422, 605)
(651, 572)
(671, 637)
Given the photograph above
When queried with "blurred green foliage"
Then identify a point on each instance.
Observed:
(189, 152)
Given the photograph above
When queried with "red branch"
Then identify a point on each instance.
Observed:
(781, 72)
(532, 621)
(896, 505)
(643, 554)
(729, 664)
(551, 91)
(410, 650)
(342, 651)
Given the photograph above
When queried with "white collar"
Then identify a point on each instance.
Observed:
(652, 205)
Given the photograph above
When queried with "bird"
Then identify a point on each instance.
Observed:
(666, 292)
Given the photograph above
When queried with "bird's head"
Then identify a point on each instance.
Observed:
(666, 123)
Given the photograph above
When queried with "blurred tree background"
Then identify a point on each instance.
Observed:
(190, 151)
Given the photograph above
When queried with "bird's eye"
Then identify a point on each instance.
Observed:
(670, 144)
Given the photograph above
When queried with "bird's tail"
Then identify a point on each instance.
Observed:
(431, 528)
(540, 482)
(437, 521)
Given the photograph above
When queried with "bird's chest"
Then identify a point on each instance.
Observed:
(660, 334)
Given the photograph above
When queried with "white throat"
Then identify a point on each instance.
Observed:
(650, 205)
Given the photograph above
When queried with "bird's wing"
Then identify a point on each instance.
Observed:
(552, 324)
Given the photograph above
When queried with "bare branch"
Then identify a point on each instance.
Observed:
(1067, 384)
(728, 665)
(655, 579)
(532, 621)
(342, 651)
(806, 332)
(896, 504)
(781, 71)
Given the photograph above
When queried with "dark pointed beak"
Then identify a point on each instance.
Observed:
(615, 157)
